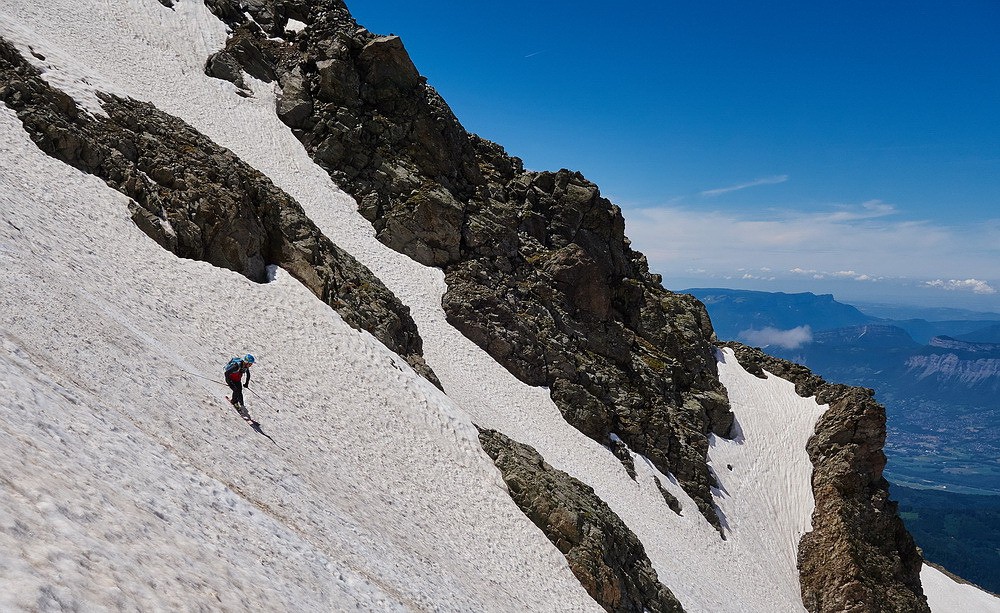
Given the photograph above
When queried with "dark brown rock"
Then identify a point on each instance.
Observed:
(386, 69)
(670, 499)
(607, 558)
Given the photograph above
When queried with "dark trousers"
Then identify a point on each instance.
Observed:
(237, 387)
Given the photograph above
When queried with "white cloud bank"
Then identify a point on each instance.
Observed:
(867, 242)
(788, 339)
(967, 285)
(840, 274)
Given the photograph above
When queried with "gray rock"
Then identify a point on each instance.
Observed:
(228, 11)
(621, 451)
(222, 65)
(255, 58)
(607, 557)
(294, 105)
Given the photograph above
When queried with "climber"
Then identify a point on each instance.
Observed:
(234, 375)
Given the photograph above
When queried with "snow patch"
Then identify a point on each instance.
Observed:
(295, 25)
(58, 68)
(945, 595)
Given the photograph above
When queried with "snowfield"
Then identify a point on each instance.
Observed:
(129, 484)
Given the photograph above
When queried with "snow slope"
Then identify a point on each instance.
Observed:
(128, 483)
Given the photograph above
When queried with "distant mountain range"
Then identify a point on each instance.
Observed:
(737, 314)
(938, 379)
(989, 334)
(939, 382)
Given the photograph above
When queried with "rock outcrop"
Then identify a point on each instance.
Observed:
(202, 202)
(858, 556)
(539, 271)
(602, 552)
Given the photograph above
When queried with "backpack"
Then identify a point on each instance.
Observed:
(233, 365)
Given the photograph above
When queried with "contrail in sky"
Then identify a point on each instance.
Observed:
(764, 181)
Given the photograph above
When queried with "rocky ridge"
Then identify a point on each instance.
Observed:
(538, 269)
(607, 558)
(858, 556)
(201, 201)
(947, 342)
(982, 372)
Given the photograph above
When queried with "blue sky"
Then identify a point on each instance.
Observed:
(850, 148)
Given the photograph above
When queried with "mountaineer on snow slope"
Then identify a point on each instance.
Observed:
(234, 378)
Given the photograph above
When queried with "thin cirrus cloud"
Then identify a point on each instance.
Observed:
(734, 188)
(872, 209)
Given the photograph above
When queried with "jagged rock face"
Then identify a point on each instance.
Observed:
(982, 373)
(602, 552)
(859, 556)
(566, 310)
(200, 201)
(538, 268)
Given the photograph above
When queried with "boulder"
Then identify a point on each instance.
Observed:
(386, 69)
(293, 103)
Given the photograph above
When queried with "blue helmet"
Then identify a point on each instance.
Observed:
(249, 359)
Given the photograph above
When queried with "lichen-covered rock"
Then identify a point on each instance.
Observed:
(202, 202)
(858, 556)
(607, 558)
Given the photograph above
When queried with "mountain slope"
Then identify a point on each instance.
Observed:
(374, 492)
(141, 486)
(538, 271)
(988, 334)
